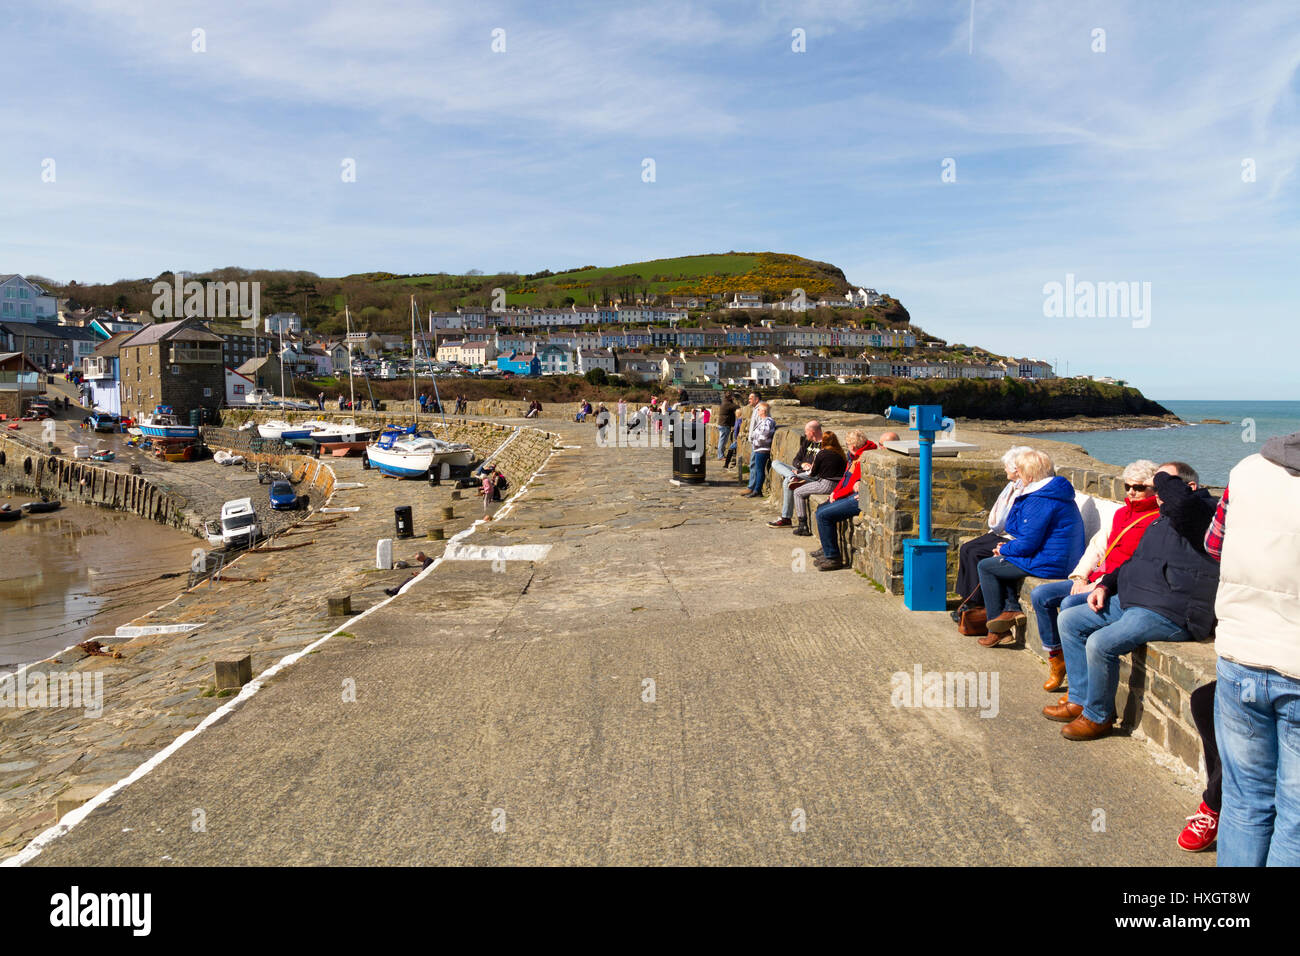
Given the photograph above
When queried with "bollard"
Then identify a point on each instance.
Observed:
(436, 534)
(455, 495)
(448, 513)
(340, 606)
(233, 674)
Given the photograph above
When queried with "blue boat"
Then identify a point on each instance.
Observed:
(163, 423)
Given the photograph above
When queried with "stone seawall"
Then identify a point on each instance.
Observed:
(525, 448)
(26, 470)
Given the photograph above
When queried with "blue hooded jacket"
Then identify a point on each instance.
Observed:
(1048, 531)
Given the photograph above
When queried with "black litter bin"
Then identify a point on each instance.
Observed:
(689, 455)
(405, 524)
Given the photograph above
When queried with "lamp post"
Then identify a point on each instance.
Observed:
(925, 560)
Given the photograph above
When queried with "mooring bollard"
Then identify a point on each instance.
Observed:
(448, 513)
(437, 534)
(455, 495)
(233, 674)
(340, 606)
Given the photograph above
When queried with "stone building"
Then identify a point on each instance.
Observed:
(172, 363)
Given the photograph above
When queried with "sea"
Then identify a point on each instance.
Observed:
(1211, 449)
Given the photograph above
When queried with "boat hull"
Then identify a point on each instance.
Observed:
(341, 449)
(397, 465)
(169, 431)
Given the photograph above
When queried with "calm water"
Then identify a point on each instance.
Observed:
(1211, 449)
(79, 572)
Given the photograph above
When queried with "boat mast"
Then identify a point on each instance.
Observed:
(433, 374)
(352, 395)
(415, 401)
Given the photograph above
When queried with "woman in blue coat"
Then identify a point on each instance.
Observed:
(1047, 541)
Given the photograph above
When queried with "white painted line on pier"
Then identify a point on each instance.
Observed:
(249, 690)
(348, 485)
(513, 552)
(330, 511)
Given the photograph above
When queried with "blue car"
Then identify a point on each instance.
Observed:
(284, 498)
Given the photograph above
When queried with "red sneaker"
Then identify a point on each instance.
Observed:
(1201, 830)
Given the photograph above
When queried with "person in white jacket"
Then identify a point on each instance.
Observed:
(977, 549)
(1257, 699)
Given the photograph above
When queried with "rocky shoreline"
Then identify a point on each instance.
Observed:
(1079, 423)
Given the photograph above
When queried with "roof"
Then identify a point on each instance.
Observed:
(108, 348)
(167, 331)
(253, 364)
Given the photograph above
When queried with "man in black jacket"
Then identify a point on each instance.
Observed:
(1167, 591)
(726, 422)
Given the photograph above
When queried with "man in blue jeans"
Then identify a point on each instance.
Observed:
(1165, 592)
(1257, 701)
(761, 430)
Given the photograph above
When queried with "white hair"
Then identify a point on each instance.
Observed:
(1141, 470)
(1014, 452)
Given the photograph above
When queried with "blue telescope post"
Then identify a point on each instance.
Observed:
(925, 561)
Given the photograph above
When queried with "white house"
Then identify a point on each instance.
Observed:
(285, 322)
(237, 387)
(594, 358)
(23, 301)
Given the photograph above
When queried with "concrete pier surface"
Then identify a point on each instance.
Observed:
(629, 672)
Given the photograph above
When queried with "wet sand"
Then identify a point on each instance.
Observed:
(80, 572)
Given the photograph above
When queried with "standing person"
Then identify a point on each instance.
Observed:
(320, 401)
(706, 416)
(486, 488)
(761, 430)
(622, 413)
(726, 422)
(340, 401)
(602, 424)
(810, 444)
(1203, 825)
(1257, 706)
(733, 441)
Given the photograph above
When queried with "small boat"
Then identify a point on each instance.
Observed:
(344, 431)
(164, 423)
(341, 449)
(103, 454)
(41, 507)
(412, 457)
(282, 430)
(10, 514)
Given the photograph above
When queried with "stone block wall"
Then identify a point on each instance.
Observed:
(26, 470)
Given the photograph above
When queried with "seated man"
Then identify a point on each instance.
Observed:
(809, 445)
(843, 503)
(424, 560)
(1164, 592)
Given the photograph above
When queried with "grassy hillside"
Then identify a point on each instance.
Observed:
(380, 301)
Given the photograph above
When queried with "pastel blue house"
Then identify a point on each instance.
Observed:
(528, 365)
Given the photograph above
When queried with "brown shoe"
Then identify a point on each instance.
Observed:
(780, 523)
(1081, 728)
(993, 639)
(1055, 673)
(1006, 621)
(1064, 713)
(1063, 699)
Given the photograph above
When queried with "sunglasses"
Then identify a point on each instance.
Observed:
(1128, 487)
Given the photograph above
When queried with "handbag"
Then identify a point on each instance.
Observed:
(974, 620)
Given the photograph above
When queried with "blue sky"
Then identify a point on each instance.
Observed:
(1122, 165)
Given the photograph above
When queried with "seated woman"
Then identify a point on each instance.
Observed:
(1109, 548)
(827, 467)
(1046, 532)
(977, 549)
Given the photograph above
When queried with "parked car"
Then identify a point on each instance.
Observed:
(284, 498)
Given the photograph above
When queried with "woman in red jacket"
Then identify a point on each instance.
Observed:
(1108, 549)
